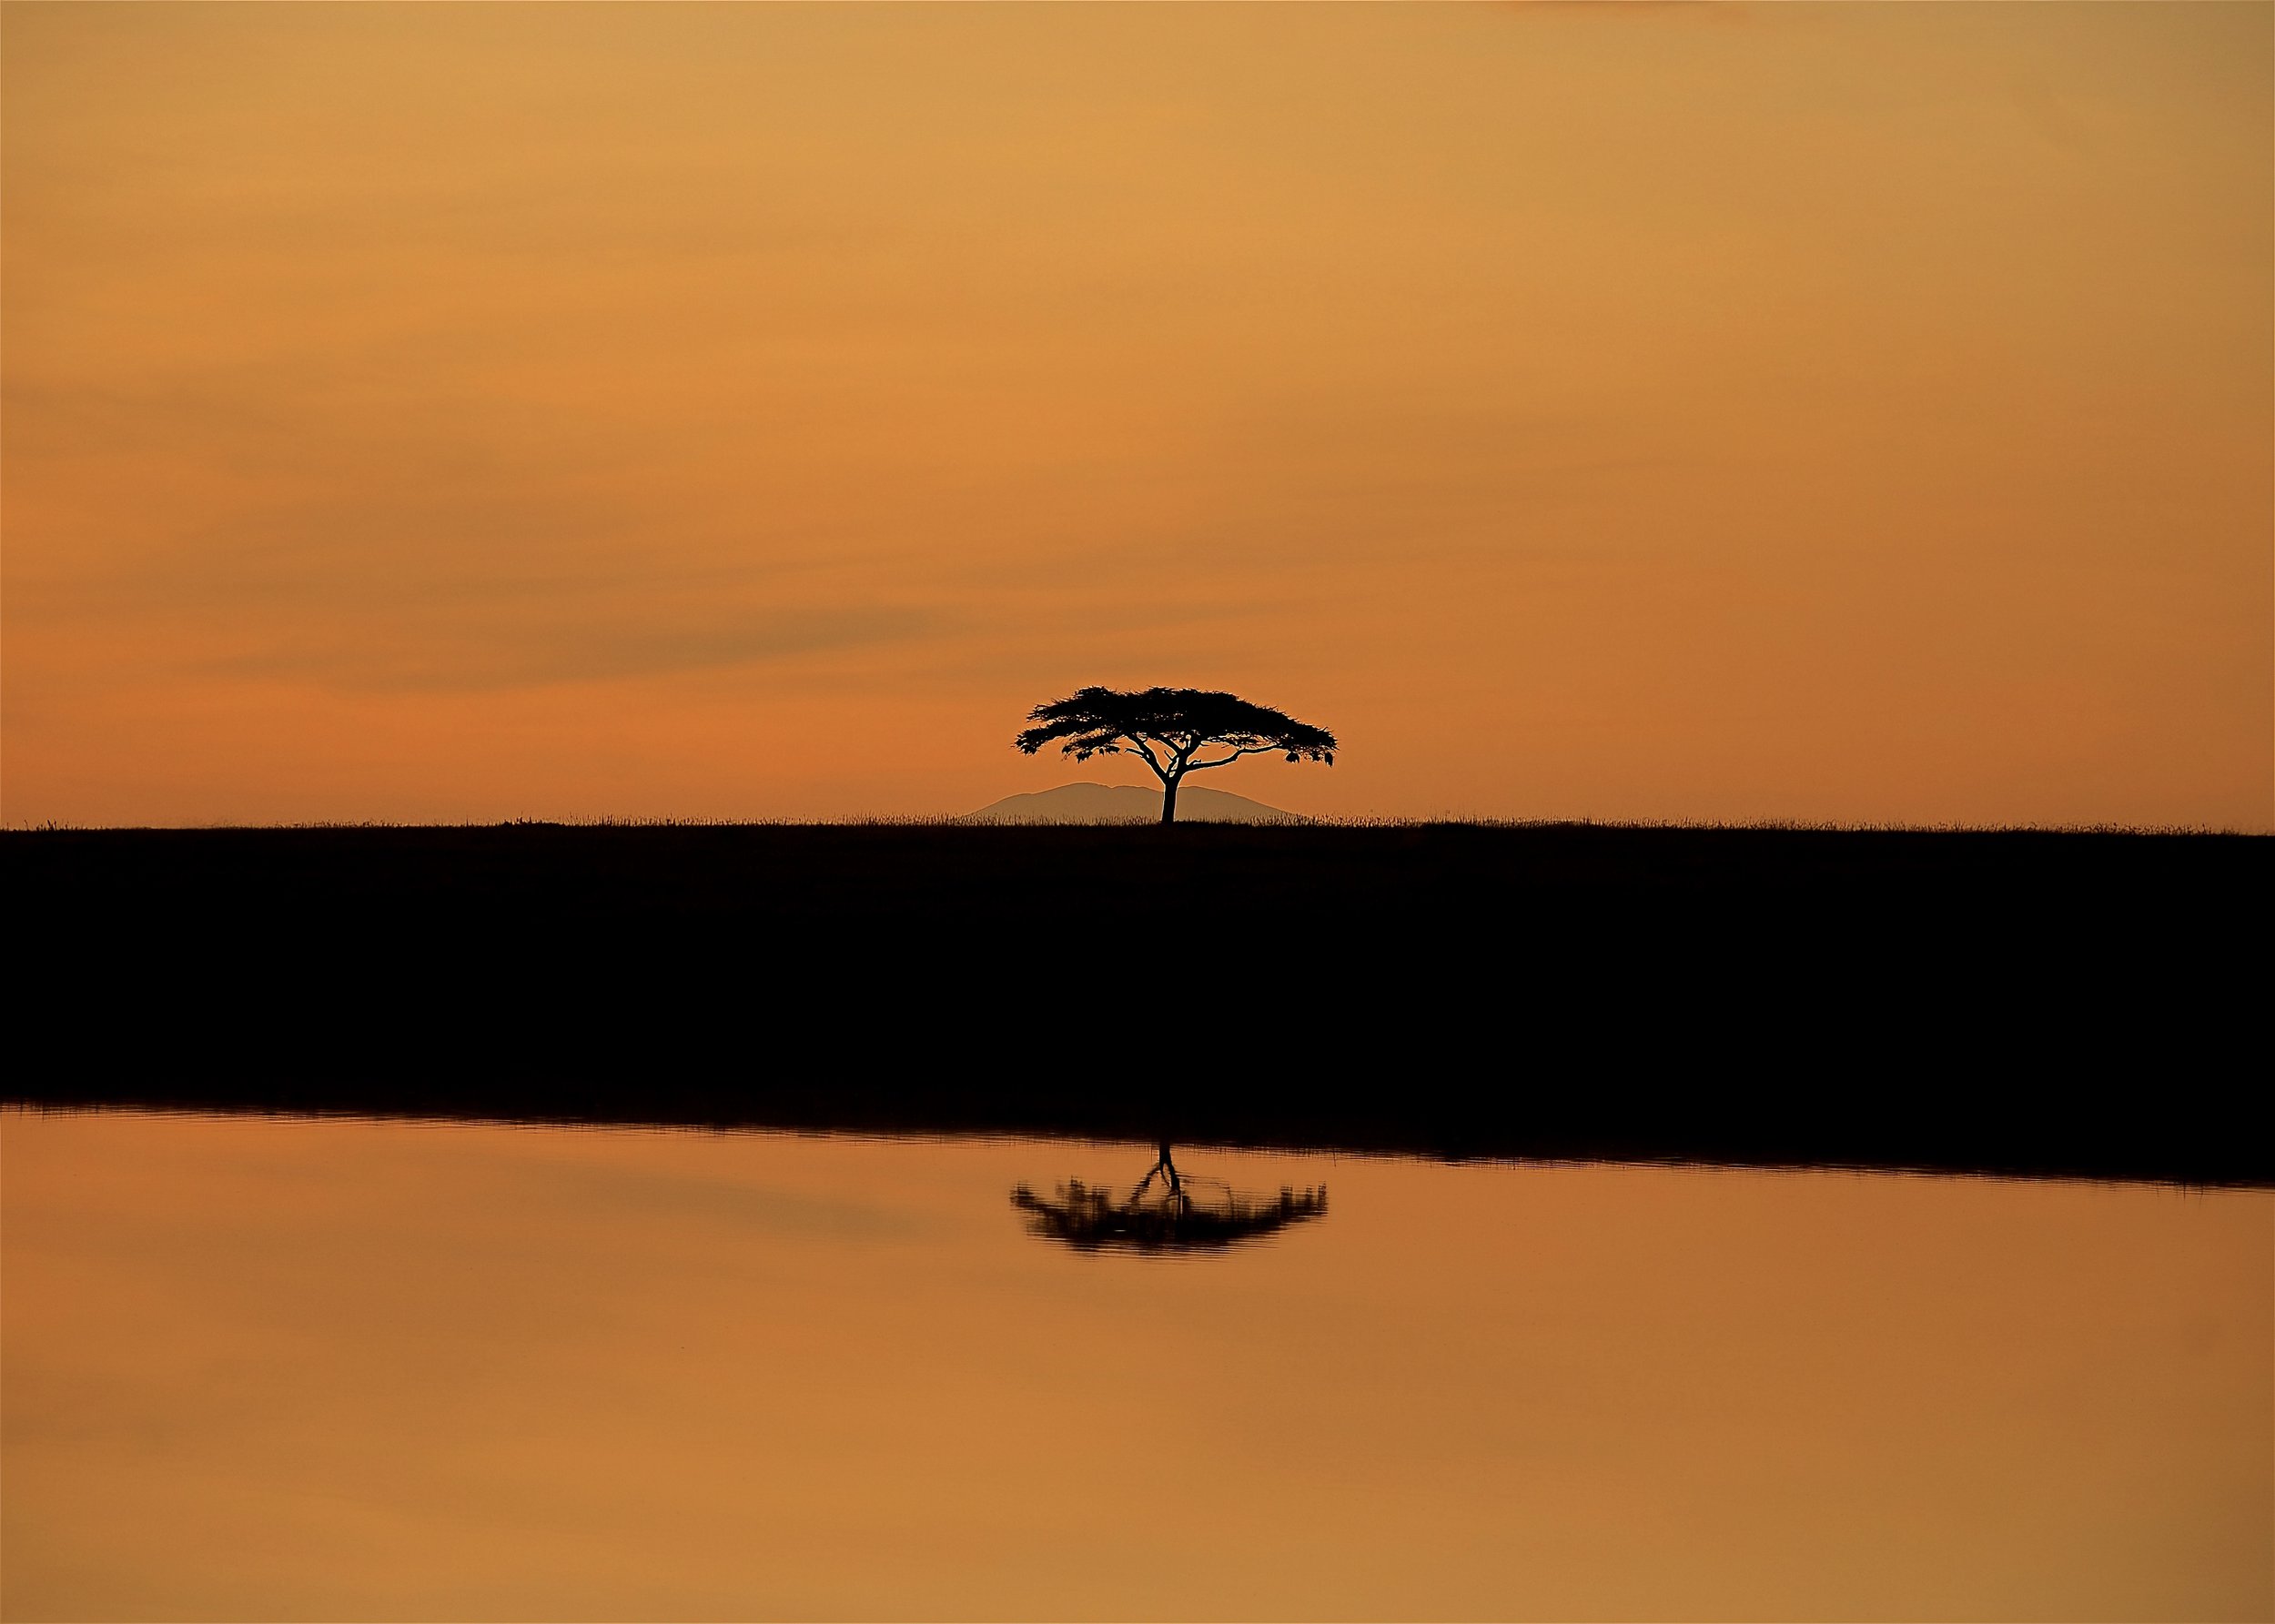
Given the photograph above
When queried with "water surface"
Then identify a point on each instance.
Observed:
(328, 1369)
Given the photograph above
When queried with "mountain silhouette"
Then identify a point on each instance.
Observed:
(1125, 803)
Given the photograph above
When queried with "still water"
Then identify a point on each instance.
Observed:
(259, 1368)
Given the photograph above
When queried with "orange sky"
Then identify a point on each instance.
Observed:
(1846, 412)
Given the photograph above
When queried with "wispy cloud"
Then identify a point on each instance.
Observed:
(468, 654)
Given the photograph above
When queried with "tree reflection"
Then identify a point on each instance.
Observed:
(1170, 1211)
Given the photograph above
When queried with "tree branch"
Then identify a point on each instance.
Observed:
(1145, 751)
(1253, 750)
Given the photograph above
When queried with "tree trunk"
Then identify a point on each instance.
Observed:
(1168, 799)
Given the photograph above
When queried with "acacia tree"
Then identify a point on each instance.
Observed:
(1168, 729)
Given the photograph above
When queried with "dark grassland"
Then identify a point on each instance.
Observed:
(2044, 1003)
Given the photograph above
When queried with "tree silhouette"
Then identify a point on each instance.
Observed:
(1183, 1213)
(1168, 729)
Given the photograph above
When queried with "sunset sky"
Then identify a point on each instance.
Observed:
(1861, 413)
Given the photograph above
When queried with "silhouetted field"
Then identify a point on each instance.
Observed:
(2049, 1002)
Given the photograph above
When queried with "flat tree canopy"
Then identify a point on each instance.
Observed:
(1168, 729)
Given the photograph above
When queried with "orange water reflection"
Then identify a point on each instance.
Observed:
(257, 1369)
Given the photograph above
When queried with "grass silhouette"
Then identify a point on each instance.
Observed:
(2018, 1001)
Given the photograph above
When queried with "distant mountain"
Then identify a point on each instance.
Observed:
(1126, 803)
